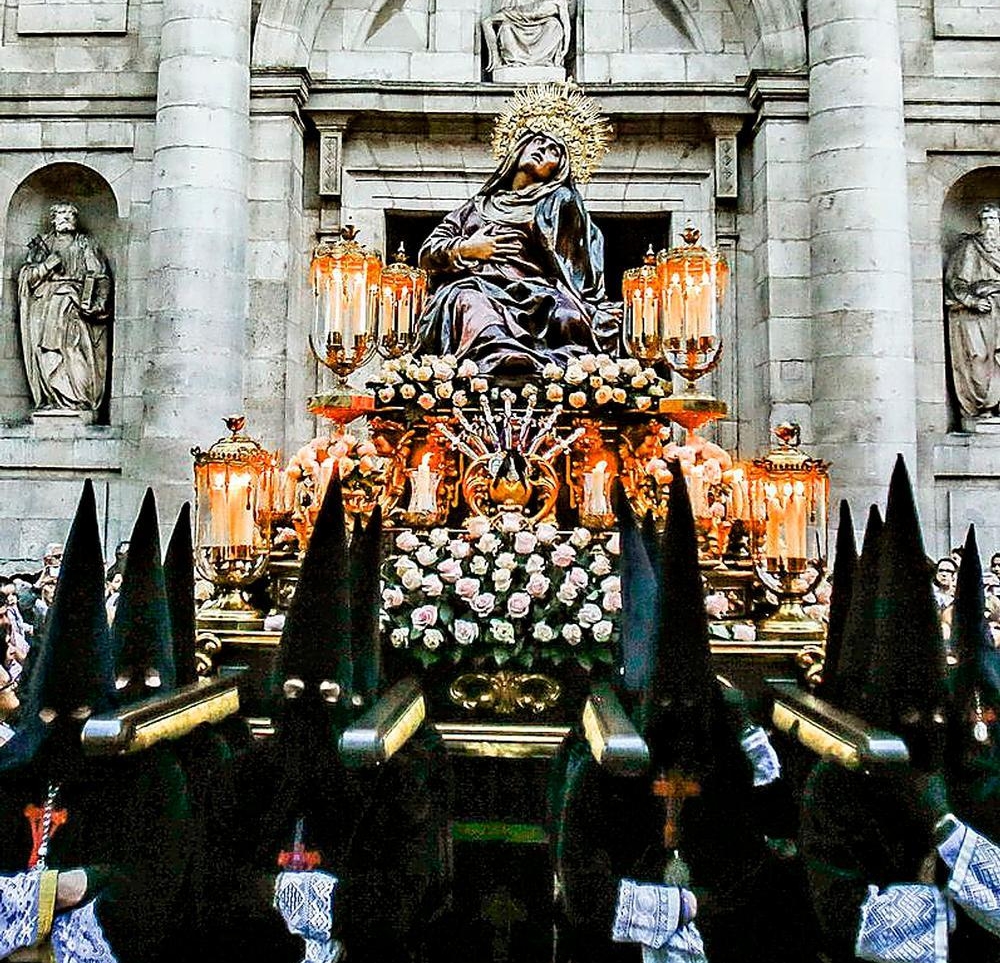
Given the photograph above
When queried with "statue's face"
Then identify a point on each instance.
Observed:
(540, 158)
(64, 220)
(989, 221)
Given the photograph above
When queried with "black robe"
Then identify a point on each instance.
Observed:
(751, 904)
(854, 836)
(127, 825)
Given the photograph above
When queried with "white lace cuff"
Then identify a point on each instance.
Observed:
(305, 901)
(758, 749)
(904, 924)
(684, 946)
(77, 937)
(975, 875)
(646, 913)
(19, 896)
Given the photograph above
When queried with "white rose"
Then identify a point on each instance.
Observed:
(563, 555)
(450, 570)
(612, 602)
(488, 544)
(399, 638)
(432, 586)
(404, 564)
(459, 399)
(438, 537)
(612, 583)
(716, 605)
(538, 585)
(525, 542)
(501, 579)
(502, 631)
(589, 363)
(511, 522)
(459, 548)
(580, 538)
(600, 566)
(575, 374)
(479, 565)
(465, 632)
(578, 577)
(518, 605)
(444, 390)
(424, 373)
(589, 614)
(467, 588)
(546, 533)
(442, 372)
(477, 525)
(424, 617)
(629, 366)
(610, 371)
(385, 395)
(506, 560)
(554, 393)
(552, 372)
(534, 564)
(483, 604)
(433, 638)
(468, 369)
(392, 598)
(572, 634)
(478, 385)
(656, 391)
(602, 631)
(618, 396)
(426, 401)
(577, 399)
(603, 395)
(407, 541)
(543, 632)
(426, 555)
(642, 402)
(412, 579)
(639, 382)
(408, 392)
(567, 593)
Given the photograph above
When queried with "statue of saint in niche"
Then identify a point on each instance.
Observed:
(517, 272)
(64, 298)
(972, 293)
(525, 33)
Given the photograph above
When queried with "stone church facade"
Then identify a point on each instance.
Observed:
(834, 150)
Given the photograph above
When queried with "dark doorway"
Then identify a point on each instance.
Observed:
(626, 238)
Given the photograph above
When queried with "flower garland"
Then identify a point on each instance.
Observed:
(430, 383)
(514, 595)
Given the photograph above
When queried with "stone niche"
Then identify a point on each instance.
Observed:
(27, 216)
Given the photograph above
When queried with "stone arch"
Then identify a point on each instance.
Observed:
(961, 203)
(774, 33)
(678, 27)
(26, 216)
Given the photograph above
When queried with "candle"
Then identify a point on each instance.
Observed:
(325, 473)
(240, 511)
(595, 498)
(737, 495)
(405, 312)
(696, 484)
(795, 520)
(423, 487)
(218, 510)
(772, 524)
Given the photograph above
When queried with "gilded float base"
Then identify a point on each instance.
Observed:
(790, 622)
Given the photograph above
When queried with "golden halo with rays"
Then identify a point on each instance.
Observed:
(562, 110)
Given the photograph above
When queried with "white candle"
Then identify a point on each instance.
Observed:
(772, 525)
(423, 484)
(795, 521)
(737, 501)
(595, 490)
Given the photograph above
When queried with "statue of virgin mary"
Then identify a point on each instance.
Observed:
(517, 272)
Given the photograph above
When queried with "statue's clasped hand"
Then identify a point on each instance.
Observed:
(486, 246)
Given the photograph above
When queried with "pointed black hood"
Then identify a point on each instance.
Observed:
(842, 586)
(975, 680)
(907, 680)
(178, 577)
(846, 677)
(141, 633)
(366, 564)
(72, 666)
(684, 690)
(316, 639)
(640, 598)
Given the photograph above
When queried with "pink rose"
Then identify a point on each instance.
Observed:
(716, 605)
(459, 548)
(432, 586)
(600, 566)
(467, 588)
(525, 542)
(412, 579)
(537, 586)
(563, 555)
(744, 632)
(578, 577)
(424, 617)
(567, 593)
(392, 598)
(534, 564)
(546, 533)
(483, 604)
(572, 634)
(407, 541)
(612, 602)
(426, 555)
(518, 605)
(511, 522)
(477, 526)
(450, 570)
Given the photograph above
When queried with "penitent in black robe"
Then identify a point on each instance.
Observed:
(751, 904)
(127, 824)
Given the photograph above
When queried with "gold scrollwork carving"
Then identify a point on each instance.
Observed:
(505, 691)
(208, 645)
(811, 659)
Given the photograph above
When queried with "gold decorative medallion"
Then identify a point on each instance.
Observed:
(563, 111)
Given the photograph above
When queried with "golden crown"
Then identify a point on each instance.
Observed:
(562, 110)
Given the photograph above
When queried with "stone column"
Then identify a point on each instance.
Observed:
(197, 286)
(864, 405)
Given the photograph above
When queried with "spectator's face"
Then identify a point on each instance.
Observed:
(116, 582)
(995, 564)
(48, 592)
(944, 576)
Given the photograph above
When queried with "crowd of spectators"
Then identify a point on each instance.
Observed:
(945, 580)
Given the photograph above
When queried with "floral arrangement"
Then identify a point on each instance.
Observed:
(513, 595)
(431, 383)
